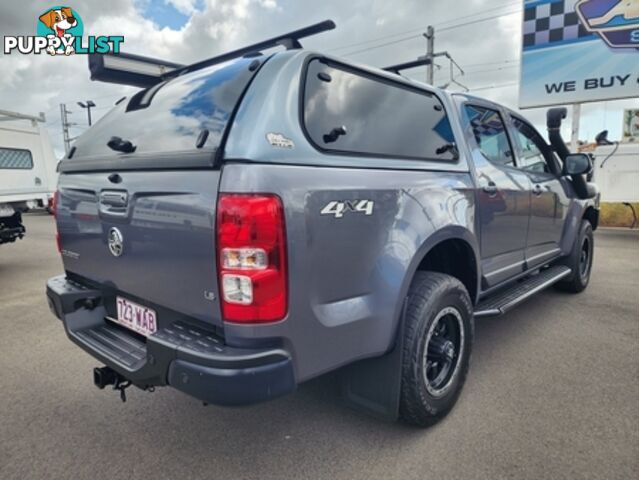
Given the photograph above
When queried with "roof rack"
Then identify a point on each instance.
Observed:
(420, 62)
(6, 115)
(138, 71)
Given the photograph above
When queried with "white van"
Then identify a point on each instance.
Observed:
(27, 170)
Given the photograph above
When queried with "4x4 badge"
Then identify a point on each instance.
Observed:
(279, 140)
(337, 209)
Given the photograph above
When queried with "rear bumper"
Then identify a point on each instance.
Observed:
(186, 355)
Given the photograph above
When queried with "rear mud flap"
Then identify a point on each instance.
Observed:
(373, 386)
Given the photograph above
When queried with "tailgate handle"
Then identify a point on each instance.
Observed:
(114, 199)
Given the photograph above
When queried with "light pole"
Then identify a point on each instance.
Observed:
(88, 106)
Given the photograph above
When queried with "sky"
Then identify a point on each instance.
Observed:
(373, 32)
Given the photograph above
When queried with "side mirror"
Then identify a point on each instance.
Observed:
(577, 164)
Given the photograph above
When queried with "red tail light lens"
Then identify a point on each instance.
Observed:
(54, 203)
(251, 245)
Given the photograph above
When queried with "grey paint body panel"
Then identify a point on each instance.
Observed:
(348, 276)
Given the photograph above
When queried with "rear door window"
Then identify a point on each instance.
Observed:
(490, 134)
(348, 111)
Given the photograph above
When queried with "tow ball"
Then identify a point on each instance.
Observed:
(105, 376)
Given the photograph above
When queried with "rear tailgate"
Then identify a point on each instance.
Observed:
(166, 222)
(154, 199)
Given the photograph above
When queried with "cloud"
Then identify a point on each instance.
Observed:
(31, 84)
(187, 7)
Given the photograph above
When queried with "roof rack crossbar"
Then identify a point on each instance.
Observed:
(144, 72)
(420, 62)
(288, 40)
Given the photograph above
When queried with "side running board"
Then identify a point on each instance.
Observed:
(501, 302)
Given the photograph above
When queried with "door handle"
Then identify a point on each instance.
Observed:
(490, 189)
(537, 190)
(113, 203)
(115, 199)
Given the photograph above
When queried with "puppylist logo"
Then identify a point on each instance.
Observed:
(60, 31)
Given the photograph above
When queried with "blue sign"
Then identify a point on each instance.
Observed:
(576, 51)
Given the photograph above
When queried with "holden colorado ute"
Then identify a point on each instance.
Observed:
(249, 222)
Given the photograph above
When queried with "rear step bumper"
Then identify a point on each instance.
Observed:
(185, 355)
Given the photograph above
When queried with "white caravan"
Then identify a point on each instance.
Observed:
(27, 170)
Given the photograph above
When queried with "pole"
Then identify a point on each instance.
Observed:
(430, 54)
(574, 137)
(65, 127)
(88, 105)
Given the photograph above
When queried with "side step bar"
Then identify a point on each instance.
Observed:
(508, 298)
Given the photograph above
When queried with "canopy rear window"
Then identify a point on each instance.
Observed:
(172, 116)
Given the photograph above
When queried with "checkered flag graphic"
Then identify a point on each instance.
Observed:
(552, 23)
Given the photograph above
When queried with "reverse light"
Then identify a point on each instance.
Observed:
(252, 268)
(237, 289)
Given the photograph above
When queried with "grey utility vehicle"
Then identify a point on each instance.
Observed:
(249, 222)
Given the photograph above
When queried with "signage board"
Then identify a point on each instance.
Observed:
(576, 51)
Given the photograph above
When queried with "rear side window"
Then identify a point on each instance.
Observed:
(171, 117)
(15, 159)
(490, 135)
(352, 112)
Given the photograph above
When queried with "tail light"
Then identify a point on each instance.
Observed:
(251, 247)
(54, 210)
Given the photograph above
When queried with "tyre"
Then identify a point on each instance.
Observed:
(438, 336)
(579, 261)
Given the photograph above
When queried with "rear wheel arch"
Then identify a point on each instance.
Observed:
(447, 240)
(455, 257)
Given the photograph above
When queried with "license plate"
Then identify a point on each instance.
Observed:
(136, 317)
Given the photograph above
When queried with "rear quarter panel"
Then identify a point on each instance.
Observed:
(348, 276)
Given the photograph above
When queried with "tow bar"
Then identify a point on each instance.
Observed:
(105, 376)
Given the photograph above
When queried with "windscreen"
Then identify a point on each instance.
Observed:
(174, 116)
